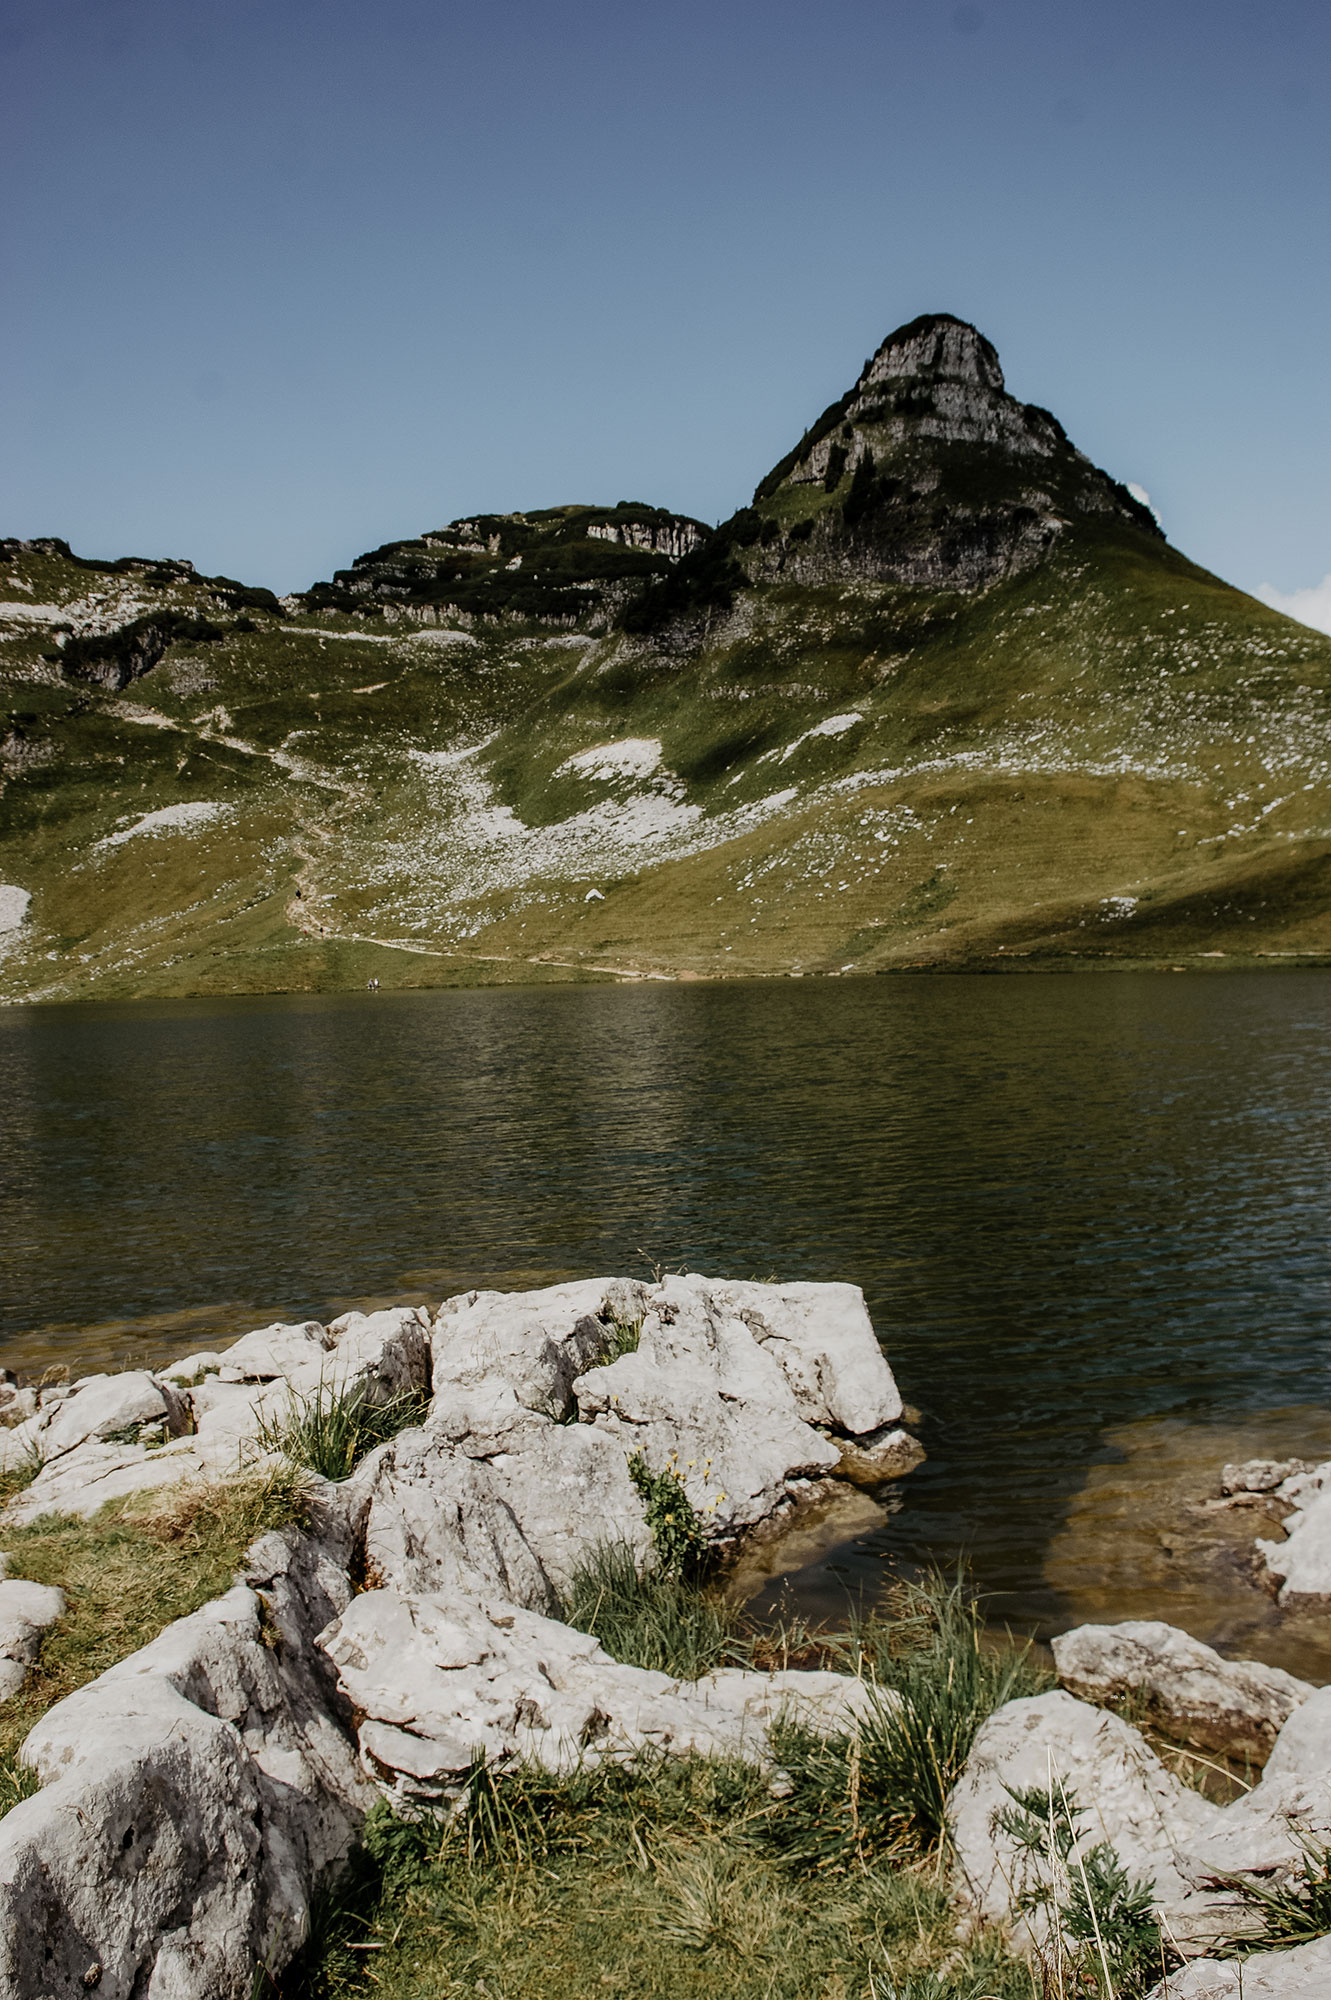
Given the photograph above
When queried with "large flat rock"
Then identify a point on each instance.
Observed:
(1237, 1707)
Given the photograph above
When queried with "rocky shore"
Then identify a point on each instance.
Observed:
(196, 1798)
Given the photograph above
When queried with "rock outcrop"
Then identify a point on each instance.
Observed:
(938, 477)
(1237, 1707)
(1303, 1973)
(196, 1797)
(1301, 1564)
(26, 1609)
(1190, 1851)
(111, 1435)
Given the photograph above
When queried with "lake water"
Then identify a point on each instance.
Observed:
(1089, 1214)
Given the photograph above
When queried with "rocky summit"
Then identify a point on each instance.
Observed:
(941, 696)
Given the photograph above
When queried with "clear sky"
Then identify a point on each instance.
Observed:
(285, 279)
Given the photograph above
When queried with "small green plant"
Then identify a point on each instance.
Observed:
(331, 1430)
(1292, 1912)
(661, 1620)
(1105, 1916)
(676, 1529)
(622, 1336)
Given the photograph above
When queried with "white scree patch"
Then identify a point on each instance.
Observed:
(169, 819)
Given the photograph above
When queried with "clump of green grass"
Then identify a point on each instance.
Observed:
(884, 1790)
(127, 1573)
(622, 1336)
(333, 1429)
(17, 1478)
(657, 1620)
(1292, 1912)
(652, 1883)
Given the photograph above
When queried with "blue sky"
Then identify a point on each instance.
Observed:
(285, 279)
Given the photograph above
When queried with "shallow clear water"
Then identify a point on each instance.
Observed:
(1077, 1205)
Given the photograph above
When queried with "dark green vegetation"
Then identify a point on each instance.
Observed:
(1104, 1916)
(1293, 1912)
(941, 695)
(658, 1881)
(126, 1574)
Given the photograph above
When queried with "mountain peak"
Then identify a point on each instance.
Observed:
(937, 347)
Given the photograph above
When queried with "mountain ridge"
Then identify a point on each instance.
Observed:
(940, 695)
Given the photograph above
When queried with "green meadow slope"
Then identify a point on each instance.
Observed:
(942, 696)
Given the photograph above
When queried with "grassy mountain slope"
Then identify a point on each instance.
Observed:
(941, 696)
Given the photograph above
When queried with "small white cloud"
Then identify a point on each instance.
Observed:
(1310, 607)
(1140, 493)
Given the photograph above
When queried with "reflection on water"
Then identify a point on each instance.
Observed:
(1076, 1205)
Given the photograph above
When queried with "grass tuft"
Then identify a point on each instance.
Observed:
(658, 1620)
(647, 1882)
(1292, 1912)
(883, 1792)
(333, 1429)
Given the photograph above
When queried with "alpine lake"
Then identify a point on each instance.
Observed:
(1089, 1214)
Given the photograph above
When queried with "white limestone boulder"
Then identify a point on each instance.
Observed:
(100, 1408)
(1260, 1475)
(1303, 1973)
(821, 1337)
(436, 1521)
(502, 1358)
(190, 1369)
(1103, 1767)
(26, 1609)
(1237, 1707)
(701, 1394)
(273, 1351)
(1265, 1833)
(193, 1796)
(441, 1680)
(568, 1488)
(1301, 1564)
(83, 1480)
(384, 1354)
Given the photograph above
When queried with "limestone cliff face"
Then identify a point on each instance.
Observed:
(928, 472)
(562, 566)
